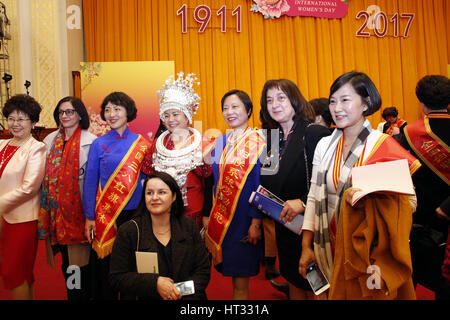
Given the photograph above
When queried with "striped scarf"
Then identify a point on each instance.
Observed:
(323, 218)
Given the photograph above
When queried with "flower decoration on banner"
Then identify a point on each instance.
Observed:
(293, 8)
(89, 71)
(98, 126)
(270, 8)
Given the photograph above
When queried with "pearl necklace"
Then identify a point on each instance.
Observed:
(178, 163)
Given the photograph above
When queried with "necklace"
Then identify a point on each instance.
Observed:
(3, 155)
(162, 233)
(178, 163)
(6, 148)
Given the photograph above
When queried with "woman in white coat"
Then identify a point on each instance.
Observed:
(61, 219)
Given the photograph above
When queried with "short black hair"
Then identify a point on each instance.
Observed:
(24, 103)
(321, 107)
(434, 91)
(243, 96)
(123, 100)
(363, 86)
(79, 107)
(177, 208)
(390, 112)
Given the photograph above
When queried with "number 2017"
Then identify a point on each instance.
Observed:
(202, 14)
(380, 24)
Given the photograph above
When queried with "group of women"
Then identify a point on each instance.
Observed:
(183, 195)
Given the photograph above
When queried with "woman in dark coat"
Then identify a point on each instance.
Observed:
(165, 230)
(288, 168)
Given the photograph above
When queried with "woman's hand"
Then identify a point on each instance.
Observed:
(254, 232)
(166, 289)
(349, 197)
(205, 222)
(89, 230)
(441, 214)
(291, 209)
(307, 258)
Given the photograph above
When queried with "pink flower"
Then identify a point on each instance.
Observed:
(273, 8)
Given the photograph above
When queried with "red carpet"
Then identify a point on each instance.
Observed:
(50, 284)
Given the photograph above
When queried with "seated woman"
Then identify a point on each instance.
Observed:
(160, 226)
(327, 226)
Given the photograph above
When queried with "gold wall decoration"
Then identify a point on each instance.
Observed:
(14, 65)
(47, 56)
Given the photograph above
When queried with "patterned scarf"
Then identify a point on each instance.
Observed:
(323, 218)
(61, 214)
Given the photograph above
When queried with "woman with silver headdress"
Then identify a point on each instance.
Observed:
(179, 151)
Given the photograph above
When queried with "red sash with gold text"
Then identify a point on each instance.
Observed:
(235, 165)
(429, 147)
(115, 196)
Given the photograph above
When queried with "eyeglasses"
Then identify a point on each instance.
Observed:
(19, 121)
(69, 112)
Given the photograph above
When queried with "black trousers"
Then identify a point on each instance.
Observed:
(78, 289)
(99, 268)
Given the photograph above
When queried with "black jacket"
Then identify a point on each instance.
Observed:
(432, 192)
(290, 182)
(189, 258)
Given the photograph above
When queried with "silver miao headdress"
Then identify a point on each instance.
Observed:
(179, 94)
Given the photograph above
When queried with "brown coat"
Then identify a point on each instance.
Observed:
(376, 235)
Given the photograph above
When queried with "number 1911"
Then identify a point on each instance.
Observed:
(202, 14)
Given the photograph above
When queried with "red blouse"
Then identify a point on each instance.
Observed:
(5, 155)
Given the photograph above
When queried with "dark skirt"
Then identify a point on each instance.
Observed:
(240, 258)
(289, 247)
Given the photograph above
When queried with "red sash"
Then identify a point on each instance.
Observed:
(429, 147)
(234, 167)
(388, 149)
(115, 196)
(338, 160)
(398, 124)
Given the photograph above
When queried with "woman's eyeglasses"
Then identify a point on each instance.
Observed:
(19, 121)
(69, 112)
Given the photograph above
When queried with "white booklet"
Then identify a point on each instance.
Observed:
(147, 262)
(391, 176)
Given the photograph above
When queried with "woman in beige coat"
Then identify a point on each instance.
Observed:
(22, 162)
